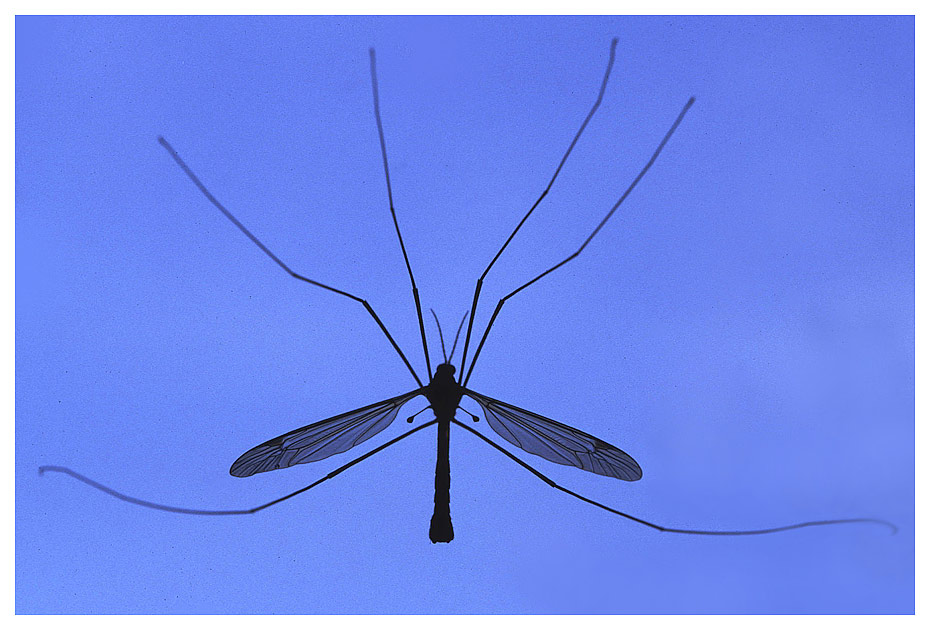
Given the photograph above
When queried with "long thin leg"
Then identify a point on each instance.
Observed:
(180, 510)
(387, 177)
(675, 530)
(597, 103)
(268, 252)
(622, 198)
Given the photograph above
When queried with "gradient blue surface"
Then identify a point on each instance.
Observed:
(744, 326)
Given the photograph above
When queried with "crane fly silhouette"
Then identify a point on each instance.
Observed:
(524, 429)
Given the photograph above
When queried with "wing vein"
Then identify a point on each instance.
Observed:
(321, 439)
(556, 442)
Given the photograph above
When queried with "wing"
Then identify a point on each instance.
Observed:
(321, 439)
(555, 441)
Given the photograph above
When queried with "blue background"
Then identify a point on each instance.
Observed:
(744, 326)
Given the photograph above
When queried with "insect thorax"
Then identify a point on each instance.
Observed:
(443, 392)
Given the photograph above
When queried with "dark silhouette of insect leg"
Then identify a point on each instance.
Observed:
(387, 177)
(278, 261)
(597, 103)
(622, 198)
(180, 510)
(675, 530)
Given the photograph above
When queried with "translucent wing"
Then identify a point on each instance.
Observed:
(555, 441)
(321, 439)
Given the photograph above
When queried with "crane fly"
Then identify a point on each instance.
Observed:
(447, 386)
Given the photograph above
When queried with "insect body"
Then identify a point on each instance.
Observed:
(531, 432)
(524, 429)
(444, 395)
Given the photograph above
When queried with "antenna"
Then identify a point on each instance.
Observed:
(445, 358)
(455, 343)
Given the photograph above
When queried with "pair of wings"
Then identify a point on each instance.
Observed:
(533, 433)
